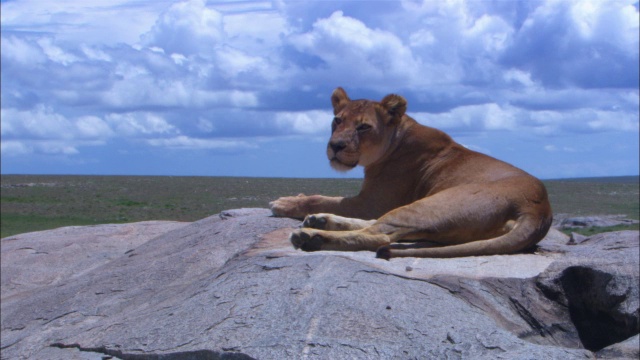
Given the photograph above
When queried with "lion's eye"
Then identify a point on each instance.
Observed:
(363, 127)
(337, 120)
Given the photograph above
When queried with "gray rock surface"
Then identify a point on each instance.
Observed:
(44, 258)
(232, 287)
(593, 221)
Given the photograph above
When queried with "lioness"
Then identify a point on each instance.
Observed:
(420, 187)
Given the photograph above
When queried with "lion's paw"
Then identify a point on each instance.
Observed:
(334, 222)
(277, 208)
(306, 241)
(288, 206)
(316, 221)
(384, 252)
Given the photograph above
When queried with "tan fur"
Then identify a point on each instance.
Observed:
(422, 189)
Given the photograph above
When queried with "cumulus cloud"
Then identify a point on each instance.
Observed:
(554, 148)
(186, 28)
(219, 75)
(44, 123)
(21, 51)
(348, 48)
(313, 122)
(474, 118)
(14, 147)
(98, 21)
(186, 143)
(140, 123)
(587, 44)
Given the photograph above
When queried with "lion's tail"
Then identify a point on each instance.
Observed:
(528, 230)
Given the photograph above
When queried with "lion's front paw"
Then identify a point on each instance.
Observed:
(276, 208)
(316, 221)
(306, 241)
(289, 206)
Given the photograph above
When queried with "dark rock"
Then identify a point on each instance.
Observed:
(232, 286)
(598, 283)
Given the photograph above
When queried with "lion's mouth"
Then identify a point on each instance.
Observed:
(343, 160)
(339, 165)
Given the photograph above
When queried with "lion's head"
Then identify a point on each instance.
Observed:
(362, 130)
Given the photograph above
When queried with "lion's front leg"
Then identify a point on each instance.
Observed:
(335, 222)
(300, 206)
(313, 240)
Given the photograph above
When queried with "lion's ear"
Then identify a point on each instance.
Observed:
(395, 105)
(339, 99)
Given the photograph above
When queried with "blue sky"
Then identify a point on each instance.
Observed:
(241, 88)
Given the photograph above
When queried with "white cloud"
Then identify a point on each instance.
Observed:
(55, 53)
(588, 44)
(233, 62)
(143, 90)
(486, 117)
(56, 147)
(453, 42)
(257, 32)
(187, 28)
(565, 122)
(200, 74)
(42, 130)
(422, 37)
(183, 142)
(140, 123)
(42, 122)
(94, 53)
(93, 127)
(580, 121)
(519, 77)
(21, 51)
(554, 148)
(603, 21)
(499, 118)
(491, 33)
(205, 126)
(613, 120)
(305, 122)
(352, 50)
(179, 59)
(96, 21)
(14, 148)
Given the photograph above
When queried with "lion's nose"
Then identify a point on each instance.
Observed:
(336, 146)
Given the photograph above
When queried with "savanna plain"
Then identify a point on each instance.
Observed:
(41, 202)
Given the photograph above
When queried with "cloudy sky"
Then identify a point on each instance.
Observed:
(241, 88)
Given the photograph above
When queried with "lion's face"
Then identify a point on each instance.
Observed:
(357, 136)
(362, 130)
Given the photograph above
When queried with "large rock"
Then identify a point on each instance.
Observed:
(231, 286)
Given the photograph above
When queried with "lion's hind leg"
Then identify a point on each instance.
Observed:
(335, 222)
(488, 225)
(525, 232)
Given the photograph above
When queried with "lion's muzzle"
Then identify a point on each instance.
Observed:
(337, 146)
(340, 157)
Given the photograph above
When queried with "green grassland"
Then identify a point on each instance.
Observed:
(40, 202)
